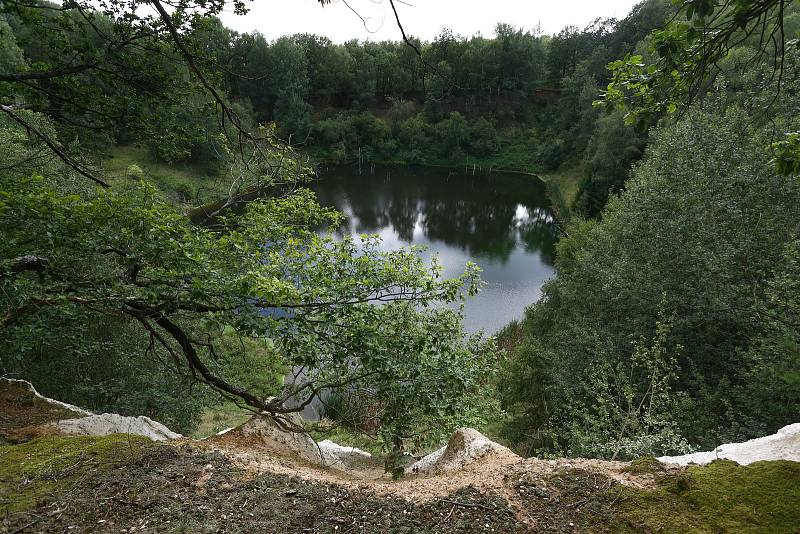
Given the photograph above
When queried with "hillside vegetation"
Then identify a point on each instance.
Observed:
(162, 255)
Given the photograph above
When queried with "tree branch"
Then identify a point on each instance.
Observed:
(47, 74)
(51, 144)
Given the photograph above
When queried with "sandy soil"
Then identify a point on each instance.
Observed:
(500, 472)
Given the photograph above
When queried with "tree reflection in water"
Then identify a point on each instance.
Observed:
(502, 222)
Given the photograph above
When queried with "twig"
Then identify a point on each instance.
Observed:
(474, 505)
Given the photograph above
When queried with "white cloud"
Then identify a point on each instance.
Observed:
(421, 18)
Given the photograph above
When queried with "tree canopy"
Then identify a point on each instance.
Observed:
(247, 279)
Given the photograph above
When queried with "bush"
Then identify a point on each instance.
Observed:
(134, 171)
(483, 138)
(696, 238)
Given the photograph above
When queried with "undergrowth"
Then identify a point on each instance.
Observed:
(181, 182)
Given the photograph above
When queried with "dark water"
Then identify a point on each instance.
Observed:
(501, 222)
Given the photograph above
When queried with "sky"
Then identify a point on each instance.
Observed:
(421, 18)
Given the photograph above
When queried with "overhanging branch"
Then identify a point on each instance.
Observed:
(52, 145)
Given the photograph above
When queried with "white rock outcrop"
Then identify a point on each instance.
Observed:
(466, 446)
(341, 457)
(86, 423)
(299, 444)
(783, 445)
(111, 423)
(276, 439)
(34, 393)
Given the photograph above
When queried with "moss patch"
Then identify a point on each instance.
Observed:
(33, 472)
(720, 497)
(645, 464)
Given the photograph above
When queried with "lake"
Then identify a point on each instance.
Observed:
(502, 222)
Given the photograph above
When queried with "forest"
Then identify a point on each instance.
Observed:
(669, 142)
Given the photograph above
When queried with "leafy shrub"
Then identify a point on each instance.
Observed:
(696, 237)
(134, 171)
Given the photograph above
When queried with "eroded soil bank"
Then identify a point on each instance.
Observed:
(51, 482)
(122, 484)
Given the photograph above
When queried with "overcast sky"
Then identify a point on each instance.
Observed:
(421, 18)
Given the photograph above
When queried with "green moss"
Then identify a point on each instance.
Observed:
(645, 464)
(720, 497)
(33, 471)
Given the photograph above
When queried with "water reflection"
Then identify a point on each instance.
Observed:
(502, 222)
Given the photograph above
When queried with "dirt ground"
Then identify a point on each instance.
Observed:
(224, 486)
(24, 416)
(232, 484)
(187, 489)
(524, 486)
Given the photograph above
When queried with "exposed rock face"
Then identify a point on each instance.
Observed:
(465, 447)
(340, 457)
(111, 423)
(783, 445)
(298, 444)
(278, 440)
(34, 413)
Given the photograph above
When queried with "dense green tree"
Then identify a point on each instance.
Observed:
(612, 150)
(11, 56)
(329, 67)
(687, 52)
(690, 245)
(452, 133)
(483, 138)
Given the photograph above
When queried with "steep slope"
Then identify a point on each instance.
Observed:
(237, 482)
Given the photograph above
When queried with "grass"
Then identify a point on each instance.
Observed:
(180, 182)
(563, 186)
(34, 471)
(514, 157)
(218, 418)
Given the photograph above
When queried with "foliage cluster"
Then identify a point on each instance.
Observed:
(705, 236)
(519, 100)
(136, 304)
(670, 322)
